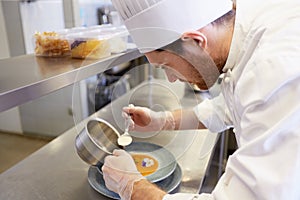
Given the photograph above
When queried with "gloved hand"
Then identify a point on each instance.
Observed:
(120, 173)
(145, 120)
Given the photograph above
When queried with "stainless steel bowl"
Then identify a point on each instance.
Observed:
(97, 140)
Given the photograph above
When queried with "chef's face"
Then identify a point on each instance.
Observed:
(176, 68)
(190, 64)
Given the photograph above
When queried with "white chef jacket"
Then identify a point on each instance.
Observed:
(261, 97)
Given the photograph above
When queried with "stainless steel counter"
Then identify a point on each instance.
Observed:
(56, 171)
(28, 77)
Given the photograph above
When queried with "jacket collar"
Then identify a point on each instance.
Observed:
(237, 39)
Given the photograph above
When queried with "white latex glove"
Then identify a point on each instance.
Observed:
(145, 120)
(120, 173)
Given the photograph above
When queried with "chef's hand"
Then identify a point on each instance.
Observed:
(120, 173)
(145, 120)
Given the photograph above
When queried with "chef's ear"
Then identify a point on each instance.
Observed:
(199, 37)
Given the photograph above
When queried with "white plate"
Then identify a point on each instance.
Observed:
(166, 160)
(96, 181)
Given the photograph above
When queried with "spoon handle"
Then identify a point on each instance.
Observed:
(128, 120)
(127, 123)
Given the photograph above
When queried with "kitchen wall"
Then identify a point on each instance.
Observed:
(18, 22)
(4, 50)
(8, 119)
(71, 13)
(88, 11)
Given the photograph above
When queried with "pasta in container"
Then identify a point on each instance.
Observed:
(51, 44)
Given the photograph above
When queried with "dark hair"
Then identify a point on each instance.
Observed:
(225, 19)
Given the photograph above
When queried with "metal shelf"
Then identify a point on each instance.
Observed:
(25, 78)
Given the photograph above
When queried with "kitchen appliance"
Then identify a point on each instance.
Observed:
(108, 15)
(108, 86)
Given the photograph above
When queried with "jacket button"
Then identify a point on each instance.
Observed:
(227, 80)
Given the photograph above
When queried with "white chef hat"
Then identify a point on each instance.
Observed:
(155, 23)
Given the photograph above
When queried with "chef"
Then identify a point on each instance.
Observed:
(254, 48)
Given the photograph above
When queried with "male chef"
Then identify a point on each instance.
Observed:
(254, 48)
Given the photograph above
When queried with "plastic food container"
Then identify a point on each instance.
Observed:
(51, 44)
(93, 42)
(118, 39)
(116, 35)
(86, 46)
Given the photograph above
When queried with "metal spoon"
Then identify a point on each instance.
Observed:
(126, 139)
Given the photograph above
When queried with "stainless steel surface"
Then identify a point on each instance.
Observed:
(28, 77)
(57, 172)
(96, 140)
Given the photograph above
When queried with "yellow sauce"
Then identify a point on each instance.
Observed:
(144, 169)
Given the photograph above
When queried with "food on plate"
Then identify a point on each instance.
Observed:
(145, 164)
(90, 48)
(51, 44)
